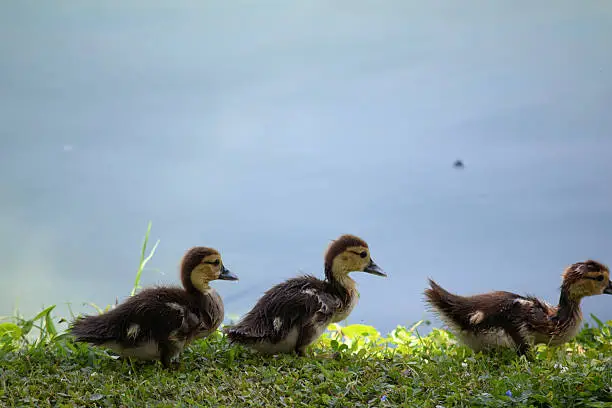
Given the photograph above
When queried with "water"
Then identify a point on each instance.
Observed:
(265, 131)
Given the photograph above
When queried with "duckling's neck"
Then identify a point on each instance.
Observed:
(202, 287)
(344, 280)
(341, 281)
(569, 307)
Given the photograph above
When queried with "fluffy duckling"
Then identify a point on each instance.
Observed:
(157, 323)
(293, 314)
(504, 319)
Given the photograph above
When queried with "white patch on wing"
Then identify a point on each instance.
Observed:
(477, 317)
(524, 302)
(339, 316)
(277, 323)
(133, 330)
(545, 303)
(325, 306)
(286, 345)
(176, 306)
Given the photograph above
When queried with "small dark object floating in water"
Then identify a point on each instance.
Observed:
(458, 164)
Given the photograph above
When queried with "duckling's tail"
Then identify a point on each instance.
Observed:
(237, 335)
(446, 304)
(92, 329)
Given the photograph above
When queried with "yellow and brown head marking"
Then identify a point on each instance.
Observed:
(201, 265)
(349, 253)
(586, 278)
(340, 245)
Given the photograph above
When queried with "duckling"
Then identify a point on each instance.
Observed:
(157, 323)
(293, 314)
(504, 319)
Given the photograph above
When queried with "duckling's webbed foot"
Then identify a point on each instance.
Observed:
(171, 364)
(167, 353)
(520, 342)
(175, 365)
(307, 334)
(523, 349)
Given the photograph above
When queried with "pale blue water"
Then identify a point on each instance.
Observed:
(266, 129)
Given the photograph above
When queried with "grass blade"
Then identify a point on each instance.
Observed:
(143, 259)
(44, 312)
(600, 324)
(49, 325)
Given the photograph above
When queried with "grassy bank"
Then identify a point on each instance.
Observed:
(349, 366)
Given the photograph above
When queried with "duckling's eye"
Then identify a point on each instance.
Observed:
(363, 254)
(599, 278)
(216, 262)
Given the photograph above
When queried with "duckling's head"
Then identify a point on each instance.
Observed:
(586, 278)
(201, 265)
(346, 254)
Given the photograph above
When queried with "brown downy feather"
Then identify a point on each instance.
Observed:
(293, 302)
(509, 320)
(157, 323)
(149, 309)
(293, 314)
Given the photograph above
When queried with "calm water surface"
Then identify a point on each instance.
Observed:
(267, 130)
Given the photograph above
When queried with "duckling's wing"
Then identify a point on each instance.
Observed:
(152, 314)
(534, 313)
(284, 307)
(164, 313)
(475, 313)
(211, 313)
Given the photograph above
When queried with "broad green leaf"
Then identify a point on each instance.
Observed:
(10, 329)
(357, 330)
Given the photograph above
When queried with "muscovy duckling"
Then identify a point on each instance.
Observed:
(157, 323)
(293, 314)
(504, 319)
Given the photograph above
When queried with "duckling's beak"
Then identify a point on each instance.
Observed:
(374, 269)
(226, 274)
(608, 290)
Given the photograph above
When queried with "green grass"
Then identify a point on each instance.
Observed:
(343, 369)
(350, 366)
